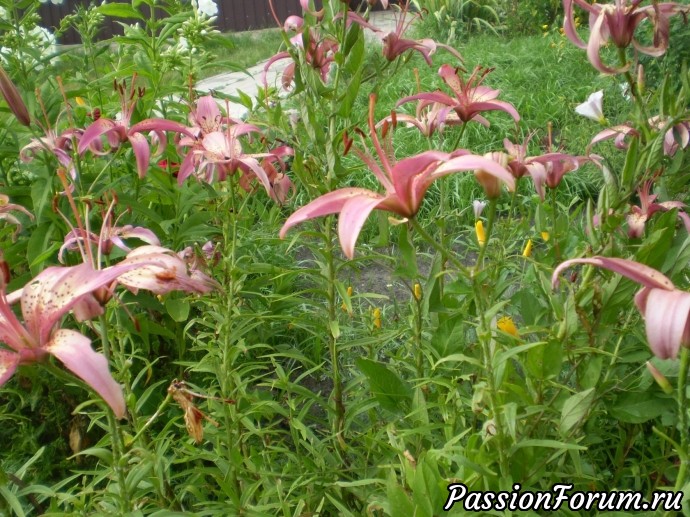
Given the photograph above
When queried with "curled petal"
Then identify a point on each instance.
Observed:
(92, 134)
(352, 217)
(75, 352)
(330, 203)
(142, 152)
(666, 318)
(640, 273)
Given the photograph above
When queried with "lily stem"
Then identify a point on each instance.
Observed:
(682, 400)
(115, 432)
(439, 248)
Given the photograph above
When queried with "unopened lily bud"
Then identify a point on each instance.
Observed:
(659, 378)
(5, 275)
(490, 183)
(527, 252)
(640, 79)
(377, 318)
(14, 100)
(479, 230)
(417, 292)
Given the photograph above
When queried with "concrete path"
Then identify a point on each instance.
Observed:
(233, 82)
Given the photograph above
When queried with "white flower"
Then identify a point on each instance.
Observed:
(592, 108)
(478, 206)
(207, 7)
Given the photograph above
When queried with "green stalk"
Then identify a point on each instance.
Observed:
(339, 422)
(484, 336)
(681, 398)
(554, 219)
(417, 337)
(115, 432)
(438, 247)
(227, 386)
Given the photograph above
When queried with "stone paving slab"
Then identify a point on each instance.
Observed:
(233, 82)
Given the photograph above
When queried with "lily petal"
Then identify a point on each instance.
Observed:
(8, 365)
(75, 352)
(352, 217)
(640, 273)
(666, 316)
(327, 204)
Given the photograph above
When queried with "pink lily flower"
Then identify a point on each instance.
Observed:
(676, 136)
(394, 45)
(405, 183)
(470, 97)
(665, 309)
(112, 237)
(44, 301)
(318, 52)
(275, 168)
(640, 214)
(429, 117)
(547, 169)
(160, 271)
(218, 154)
(119, 131)
(60, 146)
(617, 22)
(518, 159)
(550, 168)
(206, 117)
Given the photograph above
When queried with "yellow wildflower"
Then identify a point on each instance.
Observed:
(507, 325)
(80, 101)
(479, 229)
(528, 249)
(545, 236)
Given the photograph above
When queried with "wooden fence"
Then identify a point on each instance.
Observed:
(233, 15)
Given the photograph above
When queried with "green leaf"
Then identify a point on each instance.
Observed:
(638, 407)
(549, 444)
(12, 501)
(39, 245)
(120, 11)
(575, 409)
(545, 362)
(178, 309)
(389, 390)
(398, 500)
